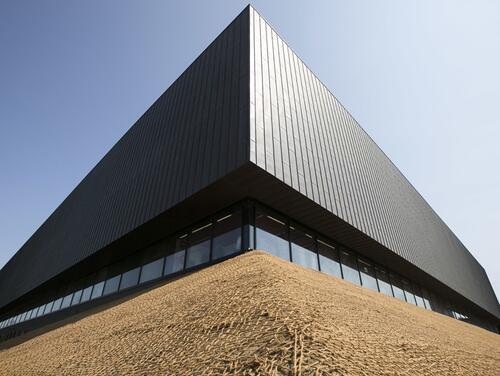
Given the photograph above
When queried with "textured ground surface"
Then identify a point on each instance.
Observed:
(256, 314)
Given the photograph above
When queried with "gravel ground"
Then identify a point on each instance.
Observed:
(258, 315)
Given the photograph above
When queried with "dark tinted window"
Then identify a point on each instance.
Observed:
(349, 267)
(397, 287)
(199, 246)
(445, 307)
(175, 262)
(86, 294)
(367, 272)
(151, 271)
(227, 235)
(249, 231)
(437, 304)
(97, 290)
(384, 282)
(111, 285)
(130, 278)
(272, 235)
(427, 299)
(57, 305)
(40, 310)
(76, 297)
(303, 248)
(329, 258)
(410, 298)
(448, 311)
(67, 301)
(418, 296)
(48, 308)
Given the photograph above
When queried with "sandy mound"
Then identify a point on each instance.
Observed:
(257, 314)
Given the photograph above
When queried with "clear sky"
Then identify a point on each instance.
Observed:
(422, 77)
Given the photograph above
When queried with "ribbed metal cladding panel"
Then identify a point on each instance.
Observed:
(302, 135)
(195, 133)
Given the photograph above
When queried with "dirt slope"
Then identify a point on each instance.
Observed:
(257, 314)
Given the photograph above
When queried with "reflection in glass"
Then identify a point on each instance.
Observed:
(199, 246)
(111, 285)
(40, 310)
(427, 300)
(48, 308)
(303, 248)
(248, 231)
(67, 301)
(418, 297)
(198, 254)
(130, 278)
(175, 262)
(76, 297)
(151, 271)
(410, 298)
(86, 294)
(57, 305)
(272, 236)
(227, 235)
(384, 282)
(349, 267)
(97, 290)
(397, 287)
(224, 237)
(447, 309)
(329, 259)
(367, 272)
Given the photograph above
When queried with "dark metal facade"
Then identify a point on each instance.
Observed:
(195, 133)
(246, 119)
(302, 135)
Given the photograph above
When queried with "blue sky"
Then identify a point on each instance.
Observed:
(422, 77)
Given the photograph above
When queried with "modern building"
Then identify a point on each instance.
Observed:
(247, 149)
